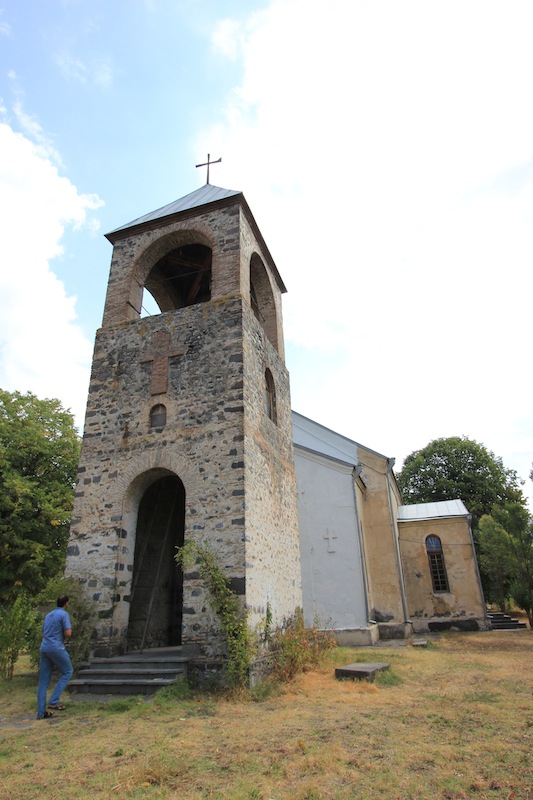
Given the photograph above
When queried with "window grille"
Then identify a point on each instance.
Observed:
(437, 567)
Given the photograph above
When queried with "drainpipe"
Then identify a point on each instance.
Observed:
(355, 474)
(477, 565)
(390, 464)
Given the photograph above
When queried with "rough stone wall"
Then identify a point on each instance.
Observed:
(235, 464)
(464, 601)
(134, 256)
(273, 570)
(249, 248)
(202, 443)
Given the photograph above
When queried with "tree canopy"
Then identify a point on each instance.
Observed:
(39, 451)
(458, 467)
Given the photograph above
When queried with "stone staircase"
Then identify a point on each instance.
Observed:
(133, 673)
(503, 622)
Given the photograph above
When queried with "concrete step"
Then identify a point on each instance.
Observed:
(504, 622)
(126, 674)
(132, 673)
(361, 671)
(509, 625)
(112, 686)
(138, 663)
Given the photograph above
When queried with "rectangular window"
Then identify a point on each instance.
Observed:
(438, 572)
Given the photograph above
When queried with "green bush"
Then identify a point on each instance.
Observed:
(297, 648)
(81, 615)
(17, 622)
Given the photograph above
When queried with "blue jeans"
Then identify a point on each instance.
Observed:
(59, 659)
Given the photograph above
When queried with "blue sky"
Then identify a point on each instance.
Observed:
(386, 151)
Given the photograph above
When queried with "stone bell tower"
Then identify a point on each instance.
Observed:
(188, 430)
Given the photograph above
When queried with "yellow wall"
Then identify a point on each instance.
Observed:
(378, 526)
(463, 606)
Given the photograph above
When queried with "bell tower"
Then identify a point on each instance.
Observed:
(188, 430)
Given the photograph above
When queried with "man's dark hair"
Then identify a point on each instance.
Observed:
(62, 600)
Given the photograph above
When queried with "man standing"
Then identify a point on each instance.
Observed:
(56, 628)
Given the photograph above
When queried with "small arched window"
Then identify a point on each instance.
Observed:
(437, 568)
(270, 396)
(158, 416)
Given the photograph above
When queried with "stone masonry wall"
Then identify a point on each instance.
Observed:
(273, 567)
(202, 443)
(205, 363)
(134, 256)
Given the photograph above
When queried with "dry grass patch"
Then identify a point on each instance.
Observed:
(457, 724)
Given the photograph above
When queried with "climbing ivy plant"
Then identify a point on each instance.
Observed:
(223, 600)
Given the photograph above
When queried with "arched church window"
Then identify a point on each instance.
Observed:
(437, 568)
(158, 416)
(270, 396)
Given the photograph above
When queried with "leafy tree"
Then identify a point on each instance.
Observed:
(39, 451)
(517, 522)
(497, 559)
(459, 467)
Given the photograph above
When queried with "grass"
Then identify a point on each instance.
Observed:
(456, 721)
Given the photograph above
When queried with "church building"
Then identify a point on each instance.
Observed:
(189, 436)
(373, 568)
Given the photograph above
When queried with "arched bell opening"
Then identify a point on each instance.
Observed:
(262, 299)
(182, 277)
(156, 599)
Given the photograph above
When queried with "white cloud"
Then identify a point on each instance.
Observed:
(386, 152)
(34, 131)
(42, 349)
(226, 38)
(5, 27)
(94, 68)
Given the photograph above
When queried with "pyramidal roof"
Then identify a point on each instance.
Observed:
(206, 195)
(201, 197)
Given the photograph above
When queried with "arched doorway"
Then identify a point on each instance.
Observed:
(157, 586)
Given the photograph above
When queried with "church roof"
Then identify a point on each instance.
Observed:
(311, 435)
(200, 197)
(207, 195)
(441, 509)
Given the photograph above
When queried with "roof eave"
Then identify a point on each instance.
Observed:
(154, 224)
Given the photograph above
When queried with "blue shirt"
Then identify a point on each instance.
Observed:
(54, 626)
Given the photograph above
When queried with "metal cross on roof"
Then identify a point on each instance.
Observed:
(207, 164)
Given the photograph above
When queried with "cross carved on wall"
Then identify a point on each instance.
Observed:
(329, 536)
(160, 350)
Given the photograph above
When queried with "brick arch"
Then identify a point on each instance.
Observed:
(163, 244)
(155, 597)
(175, 268)
(262, 299)
(146, 469)
(134, 484)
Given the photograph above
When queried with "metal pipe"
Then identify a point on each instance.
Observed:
(390, 465)
(355, 474)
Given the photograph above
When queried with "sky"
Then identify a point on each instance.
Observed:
(385, 149)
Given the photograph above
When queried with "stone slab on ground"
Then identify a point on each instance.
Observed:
(361, 671)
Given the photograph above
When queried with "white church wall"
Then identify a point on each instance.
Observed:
(333, 587)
